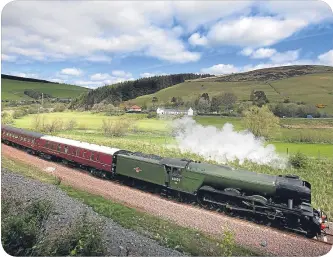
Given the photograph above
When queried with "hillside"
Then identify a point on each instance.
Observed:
(310, 84)
(12, 88)
(128, 90)
(271, 74)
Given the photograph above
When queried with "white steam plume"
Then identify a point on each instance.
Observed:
(224, 145)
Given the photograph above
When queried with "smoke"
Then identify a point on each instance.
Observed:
(224, 145)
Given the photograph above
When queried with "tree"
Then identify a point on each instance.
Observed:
(258, 98)
(203, 105)
(205, 96)
(261, 121)
(216, 103)
(228, 100)
(177, 101)
(154, 100)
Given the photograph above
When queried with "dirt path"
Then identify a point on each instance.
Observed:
(248, 234)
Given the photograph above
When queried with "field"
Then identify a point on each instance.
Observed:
(14, 89)
(153, 136)
(316, 88)
(152, 131)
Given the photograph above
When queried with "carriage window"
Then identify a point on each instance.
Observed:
(59, 147)
(84, 153)
(33, 141)
(66, 149)
(92, 156)
(97, 157)
(25, 140)
(77, 152)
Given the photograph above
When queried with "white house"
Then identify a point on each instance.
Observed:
(162, 111)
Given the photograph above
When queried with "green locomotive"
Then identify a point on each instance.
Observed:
(285, 200)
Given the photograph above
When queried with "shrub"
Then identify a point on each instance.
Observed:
(228, 244)
(6, 118)
(115, 128)
(152, 115)
(81, 239)
(298, 160)
(261, 121)
(19, 113)
(59, 107)
(21, 226)
(71, 124)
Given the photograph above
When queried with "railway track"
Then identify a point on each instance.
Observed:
(326, 239)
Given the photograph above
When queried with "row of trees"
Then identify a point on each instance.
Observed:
(127, 90)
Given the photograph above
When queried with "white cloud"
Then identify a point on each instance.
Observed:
(100, 76)
(287, 56)
(88, 29)
(326, 58)
(263, 53)
(196, 39)
(272, 54)
(8, 58)
(121, 73)
(148, 74)
(97, 31)
(220, 69)
(99, 58)
(247, 51)
(71, 72)
(253, 31)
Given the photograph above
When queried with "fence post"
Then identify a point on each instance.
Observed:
(287, 151)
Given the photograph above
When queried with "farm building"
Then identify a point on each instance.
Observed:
(162, 111)
(134, 108)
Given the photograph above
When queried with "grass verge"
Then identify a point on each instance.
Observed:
(186, 240)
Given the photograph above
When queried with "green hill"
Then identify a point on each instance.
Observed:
(310, 84)
(12, 88)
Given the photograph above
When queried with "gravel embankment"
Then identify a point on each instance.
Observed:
(266, 240)
(118, 240)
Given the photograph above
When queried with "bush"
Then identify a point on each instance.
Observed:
(19, 113)
(152, 115)
(39, 123)
(6, 118)
(261, 121)
(21, 226)
(115, 128)
(82, 239)
(299, 160)
(59, 107)
(228, 244)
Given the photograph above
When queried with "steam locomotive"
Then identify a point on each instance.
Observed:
(283, 201)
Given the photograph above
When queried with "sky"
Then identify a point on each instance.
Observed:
(94, 43)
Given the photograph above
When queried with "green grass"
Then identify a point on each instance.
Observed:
(153, 131)
(313, 150)
(167, 233)
(312, 89)
(14, 89)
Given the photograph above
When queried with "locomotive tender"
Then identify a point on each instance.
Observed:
(283, 200)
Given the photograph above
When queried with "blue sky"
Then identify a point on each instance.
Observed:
(91, 43)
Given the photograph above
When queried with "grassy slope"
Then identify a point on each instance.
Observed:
(166, 233)
(13, 89)
(312, 89)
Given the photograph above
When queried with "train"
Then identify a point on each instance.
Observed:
(282, 200)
